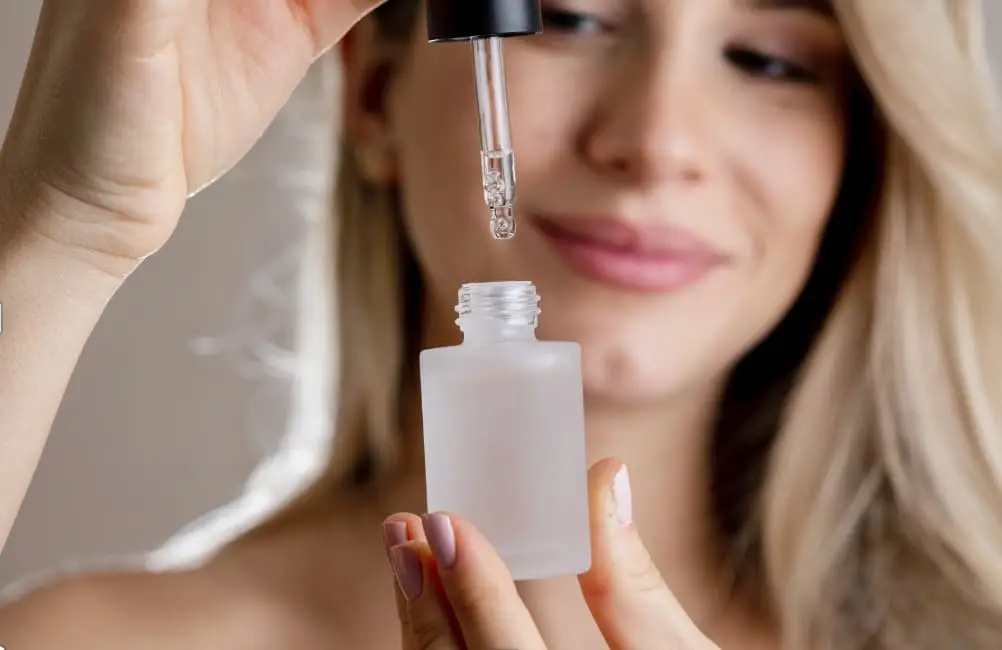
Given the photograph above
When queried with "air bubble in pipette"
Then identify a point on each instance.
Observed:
(499, 191)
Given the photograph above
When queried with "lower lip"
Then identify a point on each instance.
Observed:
(630, 271)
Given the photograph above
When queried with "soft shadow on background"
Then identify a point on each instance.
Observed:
(152, 434)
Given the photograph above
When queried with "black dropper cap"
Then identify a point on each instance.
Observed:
(462, 20)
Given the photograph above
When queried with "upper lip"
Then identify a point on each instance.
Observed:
(654, 240)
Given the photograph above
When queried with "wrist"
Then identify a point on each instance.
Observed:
(35, 270)
(40, 218)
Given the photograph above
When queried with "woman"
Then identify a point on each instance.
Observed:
(808, 415)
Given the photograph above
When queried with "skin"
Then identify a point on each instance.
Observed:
(653, 111)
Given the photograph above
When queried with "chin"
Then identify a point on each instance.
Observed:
(637, 351)
(620, 371)
(619, 377)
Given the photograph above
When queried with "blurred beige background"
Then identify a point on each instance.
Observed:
(152, 434)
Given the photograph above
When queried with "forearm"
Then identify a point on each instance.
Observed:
(51, 299)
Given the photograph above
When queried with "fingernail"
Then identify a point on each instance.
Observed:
(394, 533)
(441, 538)
(407, 569)
(622, 496)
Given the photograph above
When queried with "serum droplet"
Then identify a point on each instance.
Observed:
(498, 169)
(502, 223)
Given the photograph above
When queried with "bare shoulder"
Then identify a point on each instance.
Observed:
(186, 611)
(318, 583)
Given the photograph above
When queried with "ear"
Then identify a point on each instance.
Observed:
(369, 64)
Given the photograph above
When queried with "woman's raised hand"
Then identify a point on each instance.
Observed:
(130, 106)
(127, 108)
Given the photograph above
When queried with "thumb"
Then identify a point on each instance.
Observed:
(625, 592)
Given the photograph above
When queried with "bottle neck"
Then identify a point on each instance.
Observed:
(498, 312)
(486, 331)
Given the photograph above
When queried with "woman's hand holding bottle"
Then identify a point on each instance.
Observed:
(454, 591)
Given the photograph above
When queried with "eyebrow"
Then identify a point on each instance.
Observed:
(820, 7)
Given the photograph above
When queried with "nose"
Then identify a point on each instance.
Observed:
(649, 128)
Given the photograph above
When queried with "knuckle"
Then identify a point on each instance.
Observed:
(645, 577)
(475, 601)
(637, 578)
(430, 634)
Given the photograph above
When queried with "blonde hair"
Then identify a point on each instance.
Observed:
(882, 511)
(858, 455)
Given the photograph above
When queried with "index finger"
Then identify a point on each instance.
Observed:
(479, 587)
(395, 533)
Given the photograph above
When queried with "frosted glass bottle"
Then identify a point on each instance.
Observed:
(504, 436)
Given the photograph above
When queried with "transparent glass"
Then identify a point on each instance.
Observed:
(497, 160)
(504, 435)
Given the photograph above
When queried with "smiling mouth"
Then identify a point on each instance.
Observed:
(627, 256)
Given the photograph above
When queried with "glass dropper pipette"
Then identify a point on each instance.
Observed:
(485, 23)
(497, 159)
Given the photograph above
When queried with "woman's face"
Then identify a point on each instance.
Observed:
(677, 162)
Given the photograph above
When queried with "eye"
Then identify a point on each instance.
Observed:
(757, 64)
(571, 22)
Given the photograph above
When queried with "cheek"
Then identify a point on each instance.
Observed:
(782, 173)
(793, 187)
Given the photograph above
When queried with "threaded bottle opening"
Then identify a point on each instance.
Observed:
(507, 303)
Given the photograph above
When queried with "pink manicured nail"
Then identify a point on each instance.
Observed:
(622, 496)
(394, 533)
(441, 539)
(407, 569)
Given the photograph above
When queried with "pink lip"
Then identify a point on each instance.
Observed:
(629, 256)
